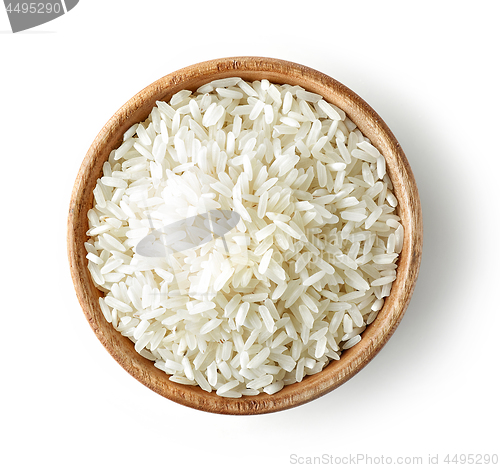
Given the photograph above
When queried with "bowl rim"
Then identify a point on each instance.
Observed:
(376, 334)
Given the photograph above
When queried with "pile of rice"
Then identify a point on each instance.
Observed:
(298, 278)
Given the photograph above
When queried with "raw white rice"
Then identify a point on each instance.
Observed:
(294, 281)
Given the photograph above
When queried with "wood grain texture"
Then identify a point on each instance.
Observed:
(368, 121)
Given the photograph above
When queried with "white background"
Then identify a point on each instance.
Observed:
(430, 69)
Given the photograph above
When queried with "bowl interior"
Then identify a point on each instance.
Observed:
(371, 125)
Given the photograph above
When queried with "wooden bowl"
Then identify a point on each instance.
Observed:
(376, 334)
